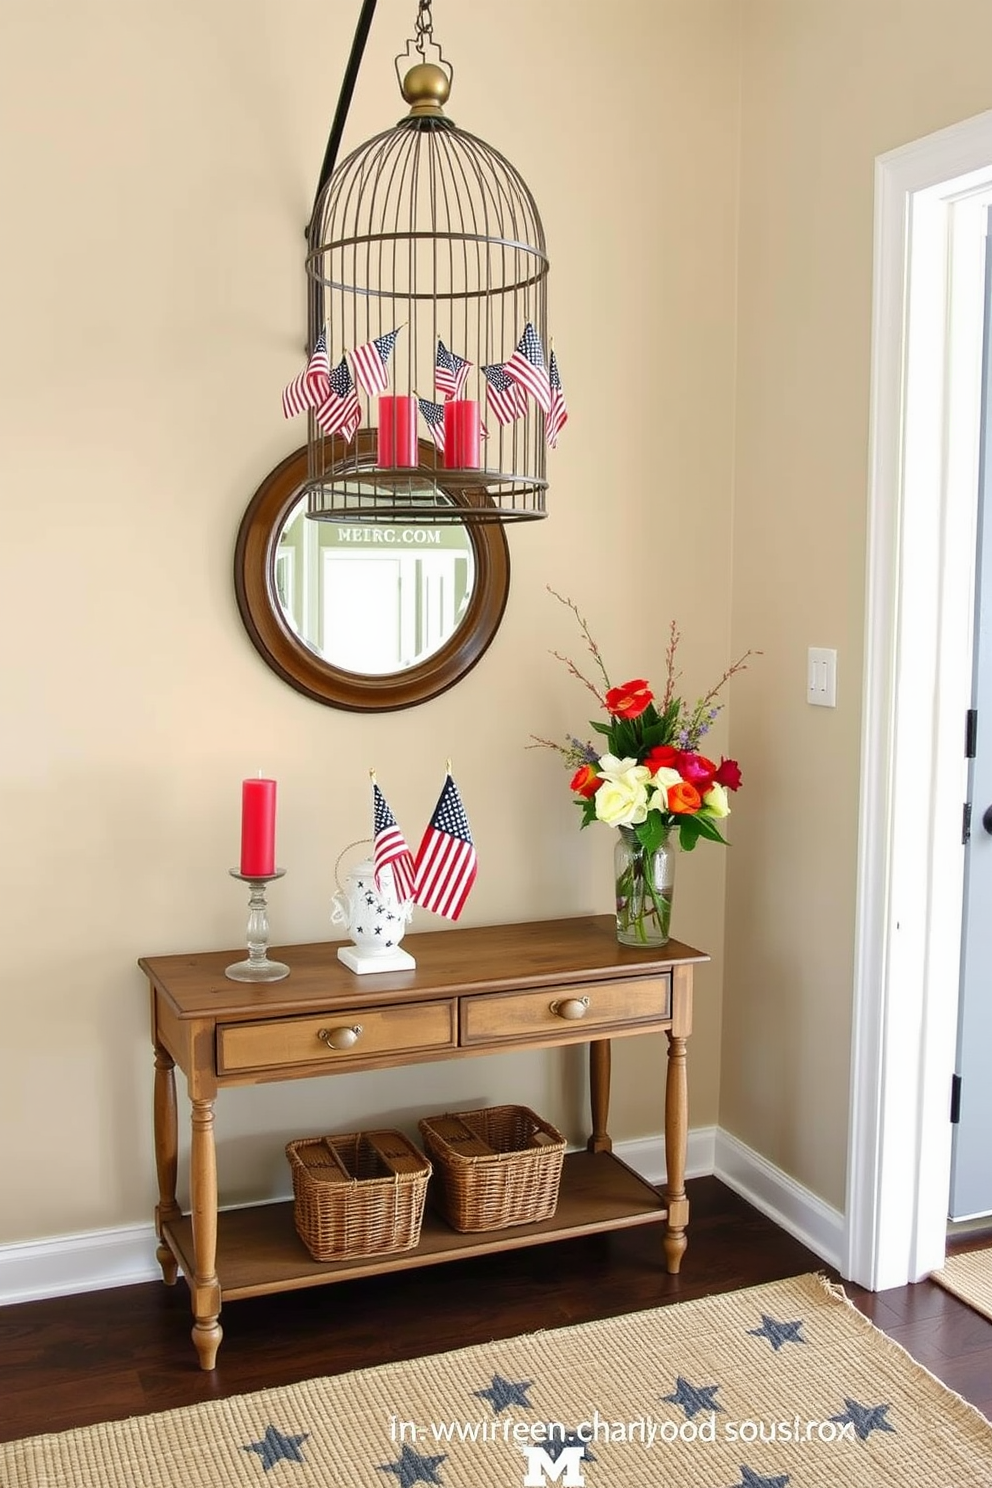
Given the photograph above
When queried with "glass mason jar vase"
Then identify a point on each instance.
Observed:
(645, 883)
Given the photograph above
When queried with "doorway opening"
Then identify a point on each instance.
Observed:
(931, 199)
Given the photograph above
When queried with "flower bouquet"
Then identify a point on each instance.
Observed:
(651, 782)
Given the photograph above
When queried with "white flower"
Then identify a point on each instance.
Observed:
(716, 802)
(612, 768)
(622, 799)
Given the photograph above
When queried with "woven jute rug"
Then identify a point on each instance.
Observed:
(969, 1276)
(785, 1384)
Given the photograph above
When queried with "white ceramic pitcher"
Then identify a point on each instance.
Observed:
(375, 918)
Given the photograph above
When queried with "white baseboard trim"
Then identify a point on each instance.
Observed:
(98, 1259)
(646, 1155)
(792, 1207)
(66, 1264)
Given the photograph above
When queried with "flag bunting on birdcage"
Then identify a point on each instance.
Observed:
(389, 848)
(446, 862)
(433, 415)
(558, 412)
(309, 387)
(450, 371)
(370, 362)
(505, 397)
(527, 367)
(340, 412)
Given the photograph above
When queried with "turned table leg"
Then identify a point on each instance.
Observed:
(599, 1095)
(166, 1156)
(676, 1138)
(207, 1331)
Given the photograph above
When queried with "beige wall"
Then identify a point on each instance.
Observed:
(158, 168)
(828, 86)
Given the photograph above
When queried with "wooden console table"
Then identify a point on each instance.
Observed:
(481, 990)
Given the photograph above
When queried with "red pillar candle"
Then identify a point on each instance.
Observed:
(451, 451)
(468, 429)
(258, 828)
(397, 433)
(462, 428)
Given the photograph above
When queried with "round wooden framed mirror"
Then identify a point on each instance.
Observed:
(367, 617)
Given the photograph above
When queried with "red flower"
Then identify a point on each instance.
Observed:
(585, 781)
(683, 798)
(662, 757)
(729, 774)
(630, 699)
(697, 769)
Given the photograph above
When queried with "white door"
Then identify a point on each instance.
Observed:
(971, 1160)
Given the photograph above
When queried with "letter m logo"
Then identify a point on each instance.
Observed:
(541, 1466)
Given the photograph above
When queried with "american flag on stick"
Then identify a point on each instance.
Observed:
(505, 397)
(389, 849)
(310, 387)
(558, 412)
(526, 366)
(434, 419)
(450, 371)
(369, 362)
(446, 862)
(340, 412)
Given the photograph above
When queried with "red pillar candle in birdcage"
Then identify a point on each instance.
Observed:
(462, 427)
(397, 433)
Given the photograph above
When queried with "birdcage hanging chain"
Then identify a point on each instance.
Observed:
(424, 26)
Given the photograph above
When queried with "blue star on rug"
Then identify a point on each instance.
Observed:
(778, 1333)
(274, 1447)
(557, 1441)
(413, 1468)
(751, 1479)
(864, 1418)
(693, 1398)
(503, 1392)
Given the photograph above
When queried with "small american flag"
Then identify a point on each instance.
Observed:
(450, 371)
(434, 419)
(369, 362)
(505, 397)
(526, 366)
(446, 863)
(389, 848)
(340, 412)
(310, 387)
(558, 412)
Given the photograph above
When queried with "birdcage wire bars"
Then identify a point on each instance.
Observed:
(428, 229)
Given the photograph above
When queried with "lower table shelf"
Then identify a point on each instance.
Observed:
(259, 1251)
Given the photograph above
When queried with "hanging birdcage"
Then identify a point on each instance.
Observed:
(427, 276)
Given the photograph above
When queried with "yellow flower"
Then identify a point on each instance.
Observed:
(716, 802)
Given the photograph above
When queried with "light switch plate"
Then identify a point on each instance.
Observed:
(821, 677)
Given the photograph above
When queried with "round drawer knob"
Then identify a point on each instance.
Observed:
(340, 1038)
(571, 1007)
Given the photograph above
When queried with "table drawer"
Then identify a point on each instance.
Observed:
(594, 1007)
(339, 1038)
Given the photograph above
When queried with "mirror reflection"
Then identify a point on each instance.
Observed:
(372, 599)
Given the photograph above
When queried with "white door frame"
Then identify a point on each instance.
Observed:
(923, 480)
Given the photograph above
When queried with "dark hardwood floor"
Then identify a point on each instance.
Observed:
(71, 1361)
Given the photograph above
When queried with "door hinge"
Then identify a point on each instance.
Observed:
(966, 822)
(971, 733)
(955, 1099)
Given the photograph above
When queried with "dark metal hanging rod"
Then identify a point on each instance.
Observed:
(344, 100)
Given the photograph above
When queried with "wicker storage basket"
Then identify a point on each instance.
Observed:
(496, 1167)
(358, 1195)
